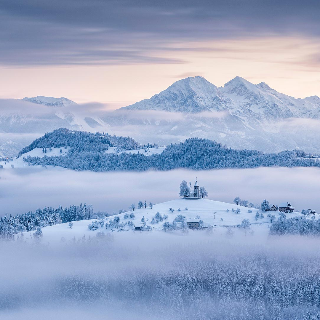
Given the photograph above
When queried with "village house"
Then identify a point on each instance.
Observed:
(286, 207)
(193, 225)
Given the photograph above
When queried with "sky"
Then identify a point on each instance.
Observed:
(119, 52)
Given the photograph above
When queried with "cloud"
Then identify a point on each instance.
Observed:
(210, 114)
(29, 189)
(150, 115)
(11, 106)
(298, 125)
(66, 32)
(188, 74)
(160, 276)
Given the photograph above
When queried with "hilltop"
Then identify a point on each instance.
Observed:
(171, 216)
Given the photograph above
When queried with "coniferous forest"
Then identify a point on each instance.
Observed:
(87, 151)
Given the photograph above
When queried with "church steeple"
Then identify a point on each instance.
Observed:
(196, 190)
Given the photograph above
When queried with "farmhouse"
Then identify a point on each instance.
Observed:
(142, 227)
(193, 225)
(273, 208)
(286, 207)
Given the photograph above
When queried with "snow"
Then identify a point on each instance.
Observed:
(193, 94)
(220, 216)
(144, 151)
(50, 101)
(240, 97)
(18, 162)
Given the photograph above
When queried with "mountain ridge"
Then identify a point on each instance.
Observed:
(238, 96)
(50, 101)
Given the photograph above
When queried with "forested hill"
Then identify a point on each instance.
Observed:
(89, 152)
(80, 141)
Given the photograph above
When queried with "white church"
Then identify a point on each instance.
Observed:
(187, 193)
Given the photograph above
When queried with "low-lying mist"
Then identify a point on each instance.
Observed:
(22, 190)
(161, 276)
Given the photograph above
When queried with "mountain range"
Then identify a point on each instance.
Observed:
(239, 97)
(241, 115)
(50, 101)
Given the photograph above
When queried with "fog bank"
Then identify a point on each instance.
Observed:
(161, 276)
(22, 190)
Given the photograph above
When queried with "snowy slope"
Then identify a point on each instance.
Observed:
(17, 162)
(240, 115)
(193, 94)
(239, 97)
(219, 216)
(50, 101)
(145, 151)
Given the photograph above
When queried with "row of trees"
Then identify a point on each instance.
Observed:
(141, 205)
(33, 220)
(194, 153)
(244, 203)
(296, 225)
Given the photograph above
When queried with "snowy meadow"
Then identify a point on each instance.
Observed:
(162, 276)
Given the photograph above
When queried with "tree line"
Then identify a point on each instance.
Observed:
(87, 152)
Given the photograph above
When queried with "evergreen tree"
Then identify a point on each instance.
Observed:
(265, 205)
(184, 189)
(203, 192)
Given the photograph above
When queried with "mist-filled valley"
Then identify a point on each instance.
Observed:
(159, 160)
(197, 275)
(32, 188)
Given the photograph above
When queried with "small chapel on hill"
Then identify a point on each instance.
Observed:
(189, 193)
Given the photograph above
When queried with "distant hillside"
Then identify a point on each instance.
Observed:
(102, 152)
(50, 101)
(80, 141)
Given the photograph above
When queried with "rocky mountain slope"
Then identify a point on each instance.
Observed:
(239, 97)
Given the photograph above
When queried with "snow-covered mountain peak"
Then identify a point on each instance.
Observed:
(240, 87)
(193, 94)
(263, 86)
(313, 99)
(193, 86)
(193, 82)
(50, 101)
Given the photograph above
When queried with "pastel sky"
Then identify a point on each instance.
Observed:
(121, 51)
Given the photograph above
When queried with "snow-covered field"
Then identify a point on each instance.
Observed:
(144, 151)
(214, 216)
(17, 162)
